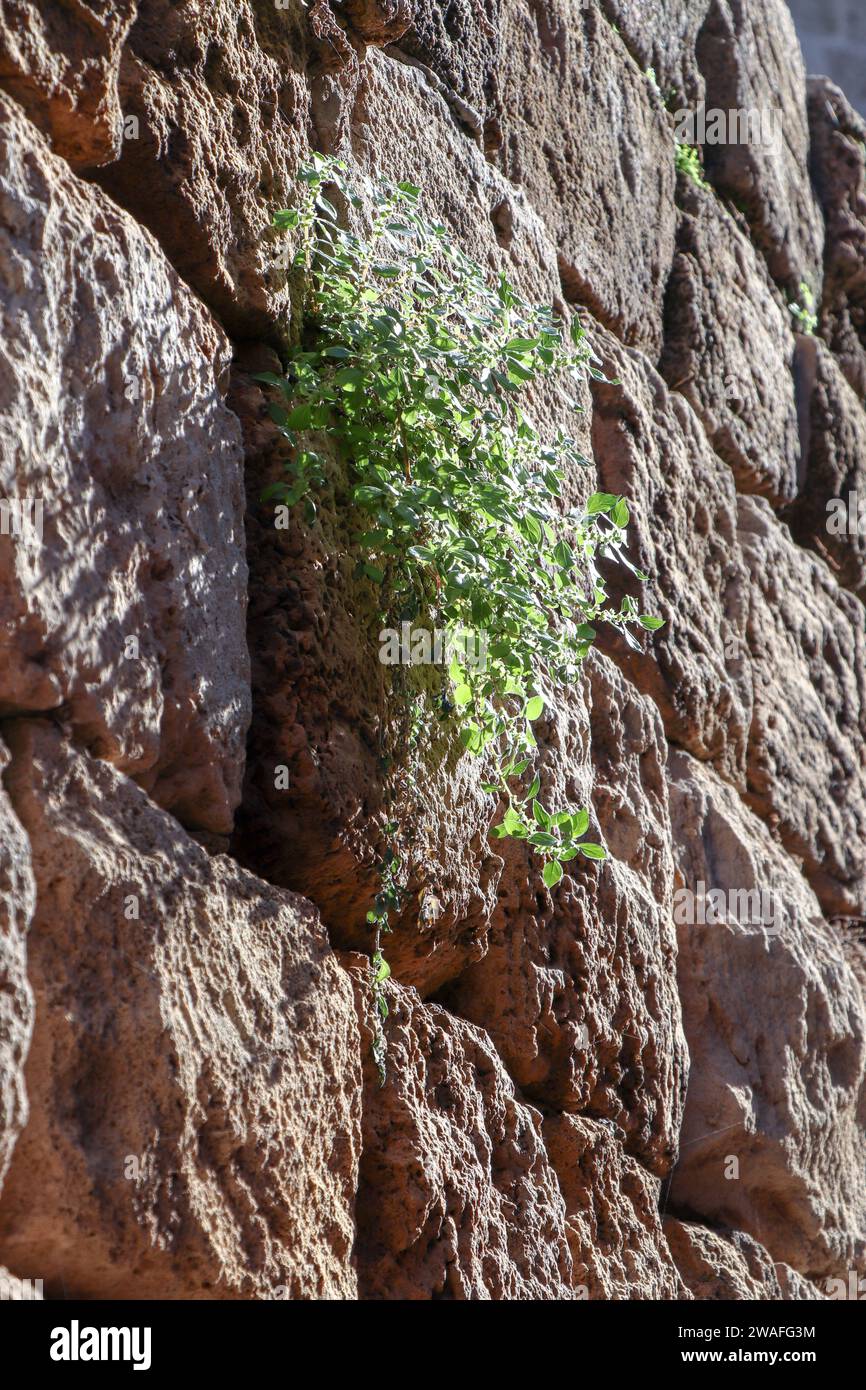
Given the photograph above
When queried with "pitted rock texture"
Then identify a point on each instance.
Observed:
(807, 767)
(17, 900)
(649, 446)
(750, 60)
(567, 115)
(732, 1266)
(829, 515)
(457, 1198)
(61, 62)
(614, 1229)
(127, 615)
(771, 1136)
(838, 165)
(570, 1075)
(222, 106)
(740, 56)
(578, 989)
(724, 322)
(194, 1077)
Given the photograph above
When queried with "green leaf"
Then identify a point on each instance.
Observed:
(543, 839)
(651, 624)
(512, 821)
(552, 873)
(580, 824)
(286, 219)
(300, 418)
(601, 502)
(592, 851)
(534, 708)
(620, 514)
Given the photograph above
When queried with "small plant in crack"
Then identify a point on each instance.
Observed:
(688, 162)
(416, 367)
(803, 309)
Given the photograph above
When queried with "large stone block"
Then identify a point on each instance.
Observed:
(61, 62)
(123, 594)
(566, 114)
(613, 1222)
(838, 165)
(829, 514)
(577, 988)
(649, 446)
(729, 347)
(806, 765)
(750, 61)
(772, 1141)
(732, 1266)
(194, 1077)
(457, 1197)
(222, 102)
(741, 58)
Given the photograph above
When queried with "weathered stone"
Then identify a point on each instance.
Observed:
(577, 988)
(199, 1123)
(61, 61)
(194, 1077)
(838, 166)
(17, 900)
(126, 614)
(404, 127)
(741, 58)
(649, 446)
(806, 765)
(729, 347)
(732, 1266)
(829, 514)
(568, 117)
(750, 60)
(457, 1197)
(612, 1209)
(222, 103)
(772, 1136)
(662, 35)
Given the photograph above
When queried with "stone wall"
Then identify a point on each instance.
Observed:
(647, 1084)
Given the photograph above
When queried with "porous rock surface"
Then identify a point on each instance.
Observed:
(128, 613)
(600, 1092)
(194, 1072)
